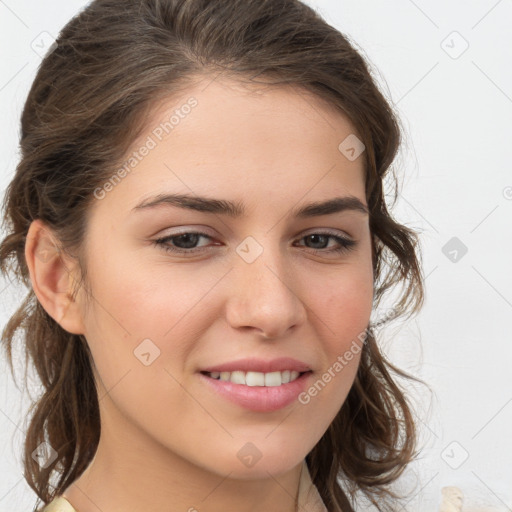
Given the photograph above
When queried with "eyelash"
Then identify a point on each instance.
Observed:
(346, 244)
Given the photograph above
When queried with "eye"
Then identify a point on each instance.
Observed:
(185, 243)
(344, 243)
(187, 240)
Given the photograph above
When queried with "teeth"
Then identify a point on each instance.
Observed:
(236, 377)
(256, 378)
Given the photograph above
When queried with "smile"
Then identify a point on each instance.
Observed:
(259, 392)
(270, 379)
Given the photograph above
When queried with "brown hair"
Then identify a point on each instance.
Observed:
(112, 63)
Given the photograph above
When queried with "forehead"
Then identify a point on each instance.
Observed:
(224, 138)
(228, 104)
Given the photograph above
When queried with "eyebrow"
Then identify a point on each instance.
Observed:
(236, 209)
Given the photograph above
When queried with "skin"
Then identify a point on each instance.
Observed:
(166, 438)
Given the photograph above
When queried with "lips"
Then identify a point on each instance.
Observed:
(262, 399)
(257, 384)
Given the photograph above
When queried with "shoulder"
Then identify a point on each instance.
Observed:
(59, 504)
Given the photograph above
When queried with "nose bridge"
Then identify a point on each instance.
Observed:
(264, 297)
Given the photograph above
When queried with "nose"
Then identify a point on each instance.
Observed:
(263, 298)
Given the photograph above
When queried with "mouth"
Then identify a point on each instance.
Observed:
(256, 391)
(256, 379)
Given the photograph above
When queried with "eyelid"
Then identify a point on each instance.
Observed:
(327, 231)
(188, 229)
(208, 233)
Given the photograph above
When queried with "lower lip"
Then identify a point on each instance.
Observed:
(259, 398)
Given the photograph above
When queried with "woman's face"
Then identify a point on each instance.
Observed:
(263, 292)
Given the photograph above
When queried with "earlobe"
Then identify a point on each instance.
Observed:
(52, 274)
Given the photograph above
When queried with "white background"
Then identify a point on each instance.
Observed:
(456, 109)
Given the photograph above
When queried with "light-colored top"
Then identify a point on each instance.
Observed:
(59, 504)
(309, 499)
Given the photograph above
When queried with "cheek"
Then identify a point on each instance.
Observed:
(132, 301)
(345, 303)
(341, 314)
(132, 304)
(340, 317)
(126, 326)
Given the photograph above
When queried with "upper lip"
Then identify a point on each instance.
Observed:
(260, 365)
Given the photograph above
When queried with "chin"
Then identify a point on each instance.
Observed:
(251, 463)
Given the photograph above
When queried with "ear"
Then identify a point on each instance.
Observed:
(52, 273)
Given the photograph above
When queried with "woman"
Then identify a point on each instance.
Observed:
(199, 215)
